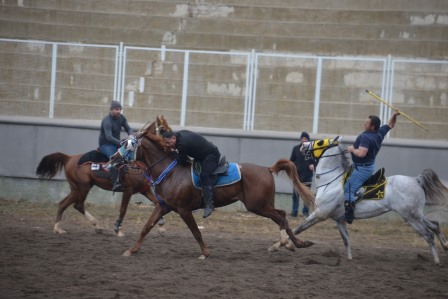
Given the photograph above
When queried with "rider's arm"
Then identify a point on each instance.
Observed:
(393, 119)
(359, 152)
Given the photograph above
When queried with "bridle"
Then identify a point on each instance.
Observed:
(310, 153)
(147, 171)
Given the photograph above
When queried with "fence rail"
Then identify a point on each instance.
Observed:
(235, 90)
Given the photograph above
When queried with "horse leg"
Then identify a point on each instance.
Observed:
(79, 206)
(123, 208)
(419, 226)
(188, 218)
(156, 214)
(63, 204)
(279, 217)
(342, 226)
(435, 228)
(149, 195)
(310, 221)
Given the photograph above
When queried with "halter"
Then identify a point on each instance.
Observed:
(159, 179)
(317, 148)
(128, 150)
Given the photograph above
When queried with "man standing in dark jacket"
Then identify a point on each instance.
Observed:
(109, 140)
(190, 144)
(305, 169)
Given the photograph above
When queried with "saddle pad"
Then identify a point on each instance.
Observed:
(233, 175)
(93, 157)
(374, 187)
(99, 170)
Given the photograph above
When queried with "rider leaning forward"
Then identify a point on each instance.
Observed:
(363, 151)
(190, 144)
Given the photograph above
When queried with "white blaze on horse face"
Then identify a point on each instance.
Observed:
(305, 147)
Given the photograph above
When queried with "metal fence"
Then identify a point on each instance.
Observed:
(234, 90)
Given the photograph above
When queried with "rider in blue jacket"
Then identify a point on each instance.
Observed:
(364, 151)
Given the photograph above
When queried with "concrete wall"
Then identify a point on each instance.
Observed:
(410, 29)
(352, 27)
(26, 140)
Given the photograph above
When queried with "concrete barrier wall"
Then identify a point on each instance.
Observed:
(381, 27)
(26, 140)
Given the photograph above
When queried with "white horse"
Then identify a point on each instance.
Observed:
(404, 195)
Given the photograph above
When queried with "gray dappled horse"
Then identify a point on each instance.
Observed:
(403, 194)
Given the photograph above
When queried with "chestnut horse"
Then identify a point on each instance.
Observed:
(256, 189)
(82, 179)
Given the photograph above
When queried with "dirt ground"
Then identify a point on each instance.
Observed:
(389, 259)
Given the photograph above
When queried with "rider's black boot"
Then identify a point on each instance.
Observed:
(115, 178)
(208, 198)
(349, 211)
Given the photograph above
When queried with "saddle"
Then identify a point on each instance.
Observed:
(98, 162)
(225, 173)
(372, 189)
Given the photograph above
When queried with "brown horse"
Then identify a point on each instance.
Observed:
(256, 190)
(81, 179)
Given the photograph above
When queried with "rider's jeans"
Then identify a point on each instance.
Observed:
(108, 149)
(360, 174)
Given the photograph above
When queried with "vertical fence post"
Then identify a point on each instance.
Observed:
(317, 95)
(183, 111)
(54, 59)
(250, 77)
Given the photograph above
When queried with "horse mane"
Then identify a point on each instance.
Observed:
(152, 132)
(345, 157)
(157, 139)
(157, 127)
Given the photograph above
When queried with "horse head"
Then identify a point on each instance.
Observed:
(152, 130)
(316, 148)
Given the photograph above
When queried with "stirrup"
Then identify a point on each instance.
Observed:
(117, 187)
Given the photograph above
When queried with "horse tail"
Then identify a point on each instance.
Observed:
(51, 164)
(435, 191)
(290, 168)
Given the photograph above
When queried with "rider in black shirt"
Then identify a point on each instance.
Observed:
(190, 144)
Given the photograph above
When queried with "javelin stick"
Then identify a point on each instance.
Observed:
(392, 107)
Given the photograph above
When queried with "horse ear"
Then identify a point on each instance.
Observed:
(336, 140)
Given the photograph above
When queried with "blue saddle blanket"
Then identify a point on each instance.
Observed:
(233, 175)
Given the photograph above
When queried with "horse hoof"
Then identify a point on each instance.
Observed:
(161, 222)
(290, 246)
(202, 257)
(59, 231)
(274, 247)
(307, 244)
(120, 234)
(127, 253)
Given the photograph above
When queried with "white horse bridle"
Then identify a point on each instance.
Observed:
(311, 147)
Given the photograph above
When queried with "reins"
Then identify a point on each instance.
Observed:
(329, 171)
(161, 177)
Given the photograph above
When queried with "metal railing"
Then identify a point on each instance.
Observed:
(240, 90)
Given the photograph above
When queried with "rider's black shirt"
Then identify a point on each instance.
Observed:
(190, 144)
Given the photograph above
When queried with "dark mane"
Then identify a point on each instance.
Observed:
(157, 139)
